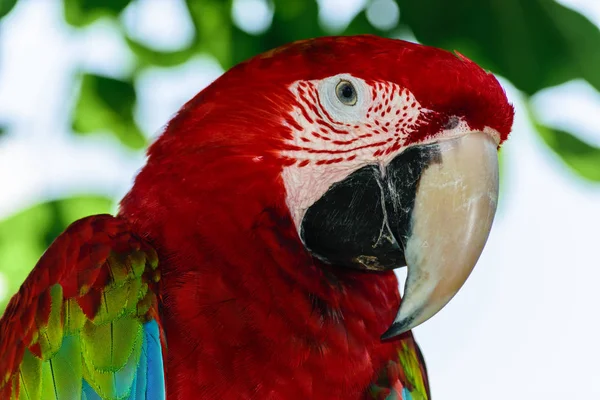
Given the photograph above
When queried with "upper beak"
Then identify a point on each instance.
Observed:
(454, 207)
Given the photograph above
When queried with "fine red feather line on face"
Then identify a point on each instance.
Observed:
(341, 151)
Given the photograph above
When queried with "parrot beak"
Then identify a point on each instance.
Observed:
(431, 208)
(452, 215)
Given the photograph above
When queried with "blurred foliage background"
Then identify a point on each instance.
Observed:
(85, 85)
(547, 44)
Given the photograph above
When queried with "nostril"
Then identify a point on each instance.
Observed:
(452, 122)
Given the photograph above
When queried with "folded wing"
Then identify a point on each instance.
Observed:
(84, 323)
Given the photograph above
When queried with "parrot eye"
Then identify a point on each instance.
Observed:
(346, 93)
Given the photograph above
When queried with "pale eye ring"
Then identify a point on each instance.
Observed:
(346, 93)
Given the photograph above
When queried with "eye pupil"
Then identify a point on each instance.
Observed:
(346, 93)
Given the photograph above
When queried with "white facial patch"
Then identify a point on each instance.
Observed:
(332, 139)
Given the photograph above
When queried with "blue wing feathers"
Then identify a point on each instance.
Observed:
(155, 386)
(88, 392)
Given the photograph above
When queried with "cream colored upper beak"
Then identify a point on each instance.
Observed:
(452, 216)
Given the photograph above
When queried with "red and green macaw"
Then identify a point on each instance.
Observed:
(253, 258)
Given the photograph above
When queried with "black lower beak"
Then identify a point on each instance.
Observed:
(364, 221)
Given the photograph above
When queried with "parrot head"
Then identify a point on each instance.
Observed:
(355, 153)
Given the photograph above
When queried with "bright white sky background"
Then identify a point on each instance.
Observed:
(527, 323)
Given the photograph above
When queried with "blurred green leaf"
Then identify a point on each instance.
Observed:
(533, 43)
(26, 235)
(212, 34)
(3, 130)
(212, 22)
(80, 13)
(292, 20)
(292, 9)
(361, 25)
(583, 44)
(147, 56)
(245, 45)
(502, 169)
(583, 158)
(106, 105)
(6, 6)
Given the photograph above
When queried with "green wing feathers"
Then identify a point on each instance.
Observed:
(78, 318)
(403, 378)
